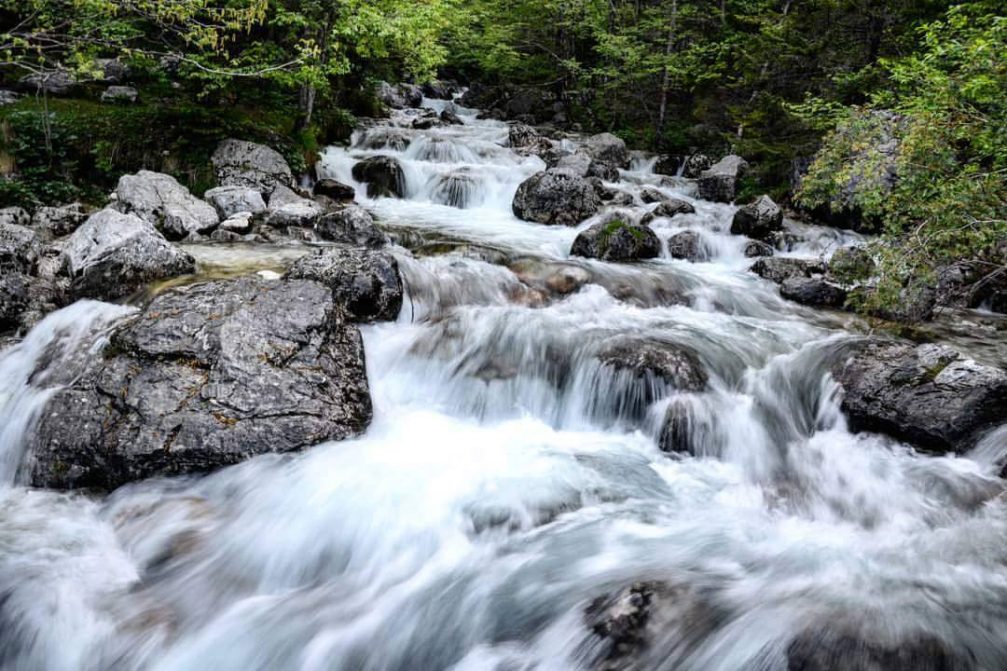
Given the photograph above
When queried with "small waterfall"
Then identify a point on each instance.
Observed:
(51, 355)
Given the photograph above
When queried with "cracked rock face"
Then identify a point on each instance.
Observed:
(208, 375)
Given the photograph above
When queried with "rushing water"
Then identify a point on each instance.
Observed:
(508, 479)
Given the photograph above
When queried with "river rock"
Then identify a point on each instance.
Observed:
(113, 255)
(779, 269)
(607, 148)
(617, 240)
(256, 166)
(758, 220)
(15, 216)
(383, 175)
(696, 165)
(160, 200)
(649, 194)
(450, 117)
(399, 96)
(352, 225)
(230, 200)
(928, 395)
(814, 291)
(55, 222)
(208, 375)
(667, 209)
(555, 196)
(719, 183)
(439, 90)
(757, 248)
(335, 190)
(455, 189)
(654, 360)
(20, 248)
(687, 245)
(366, 282)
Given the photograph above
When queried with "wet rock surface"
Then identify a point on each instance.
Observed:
(671, 363)
(164, 203)
(113, 255)
(617, 240)
(826, 650)
(352, 225)
(383, 175)
(815, 291)
(208, 375)
(364, 282)
(556, 196)
(758, 220)
(719, 182)
(927, 395)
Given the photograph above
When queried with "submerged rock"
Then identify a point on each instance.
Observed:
(719, 183)
(161, 201)
(687, 245)
(113, 255)
(365, 282)
(617, 240)
(758, 220)
(830, 650)
(256, 166)
(556, 196)
(208, 375)
(352, 225)
(670, 363)
(928, 395)
(383, 175)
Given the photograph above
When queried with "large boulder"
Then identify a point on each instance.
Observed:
(851, 263)
(365, 282)
(556, 196)
(288, 209)
(778, 269)
(758, 220)
(256, 166)
(399, 96)
(208, 375)
(607, 148)
(55, 222)
(160, 200)
(696, 165)
(814, 291)
(20, 248)
(113, 254)
(230, 200)
(719, 183)
(120, 94)
(928, 395)
(383, 176)
(352, 225)
(617, 240)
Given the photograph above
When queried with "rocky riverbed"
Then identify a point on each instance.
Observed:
(486, 395)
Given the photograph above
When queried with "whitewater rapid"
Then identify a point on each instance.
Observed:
(508, 479)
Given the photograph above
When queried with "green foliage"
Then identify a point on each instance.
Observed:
(933, 169)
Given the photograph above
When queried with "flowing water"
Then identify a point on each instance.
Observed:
(509, 479)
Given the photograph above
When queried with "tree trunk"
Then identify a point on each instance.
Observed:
(306, 105)
(665, 74)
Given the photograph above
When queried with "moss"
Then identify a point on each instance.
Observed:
(614, 226)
